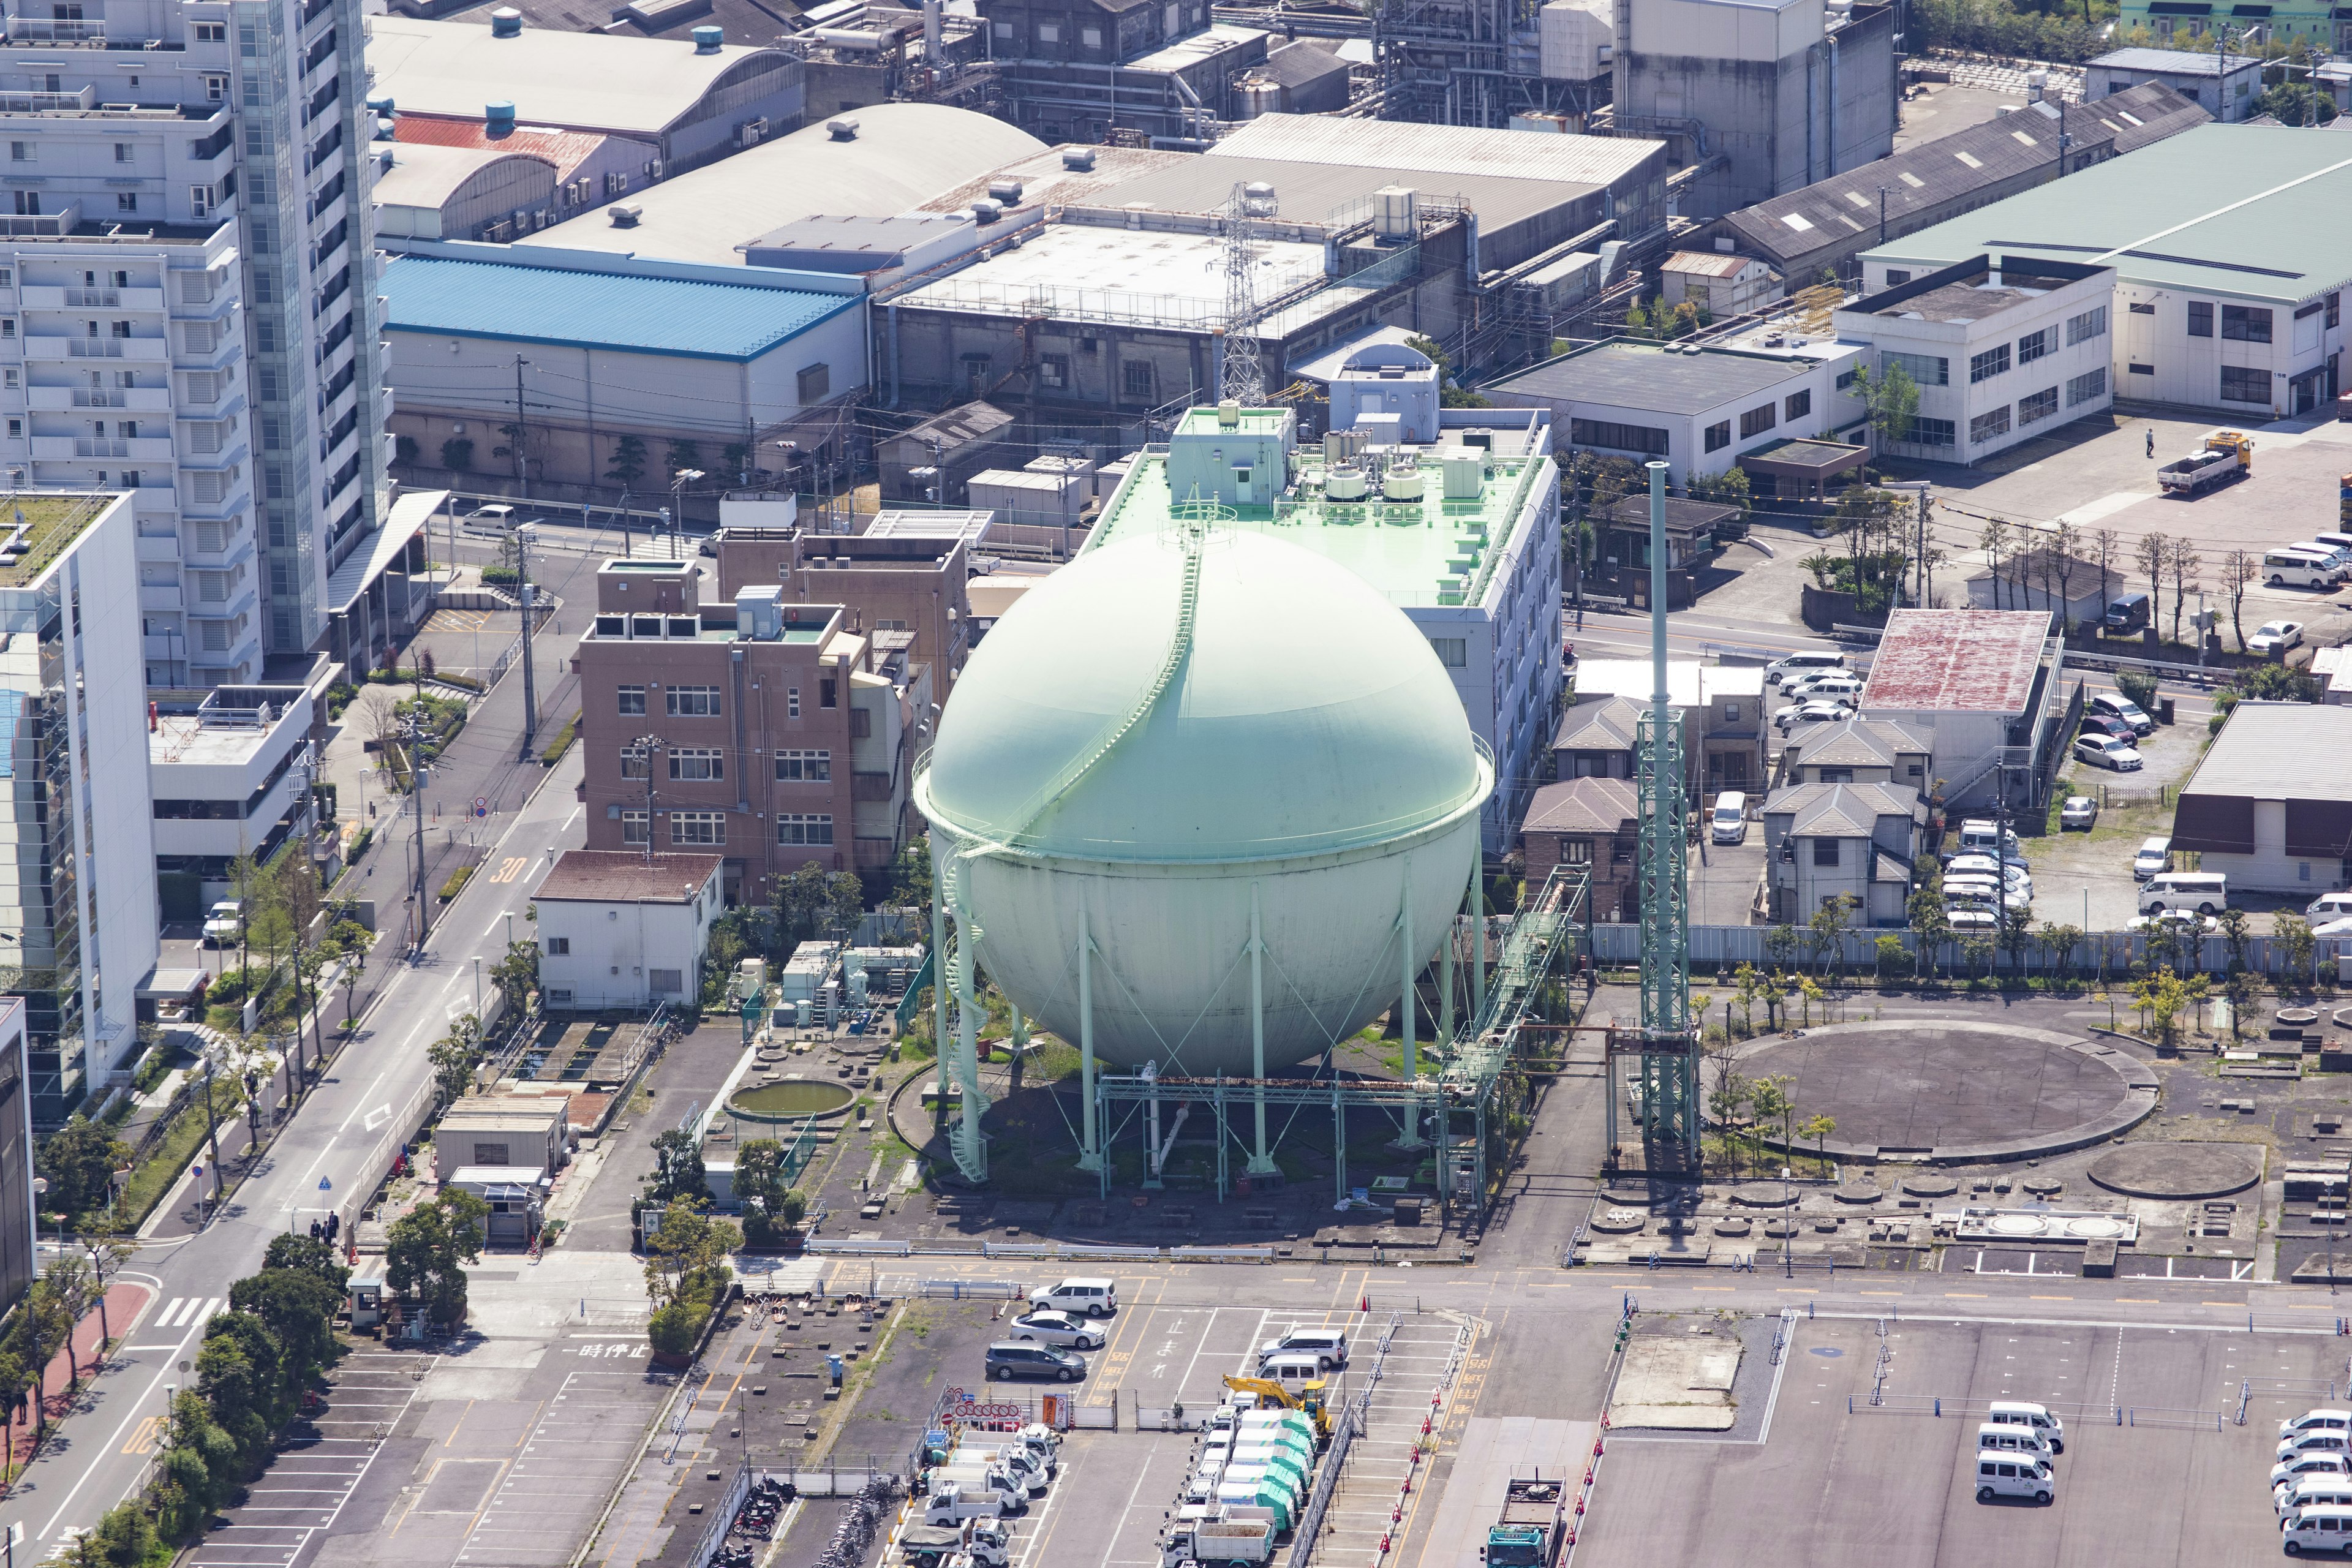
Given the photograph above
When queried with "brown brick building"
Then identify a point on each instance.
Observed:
(779, 735)
(1593, 823)
(906, 574)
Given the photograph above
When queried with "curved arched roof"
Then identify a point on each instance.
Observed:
(902, 156)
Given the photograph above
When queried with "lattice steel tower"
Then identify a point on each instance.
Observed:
(1242, 377)
(1669, 1039)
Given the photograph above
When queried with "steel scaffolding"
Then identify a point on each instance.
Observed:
(1669, 1048)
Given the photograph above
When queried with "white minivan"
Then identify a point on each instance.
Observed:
(1729, 824)
(2002, 1474)
(2207, 893)
(2328, 906)
(1797, 664)
(2009, 1438)
(2314, 1492)
(2295, 569)
(2317, 1530)
(1090, 1298)
(2018, 1413)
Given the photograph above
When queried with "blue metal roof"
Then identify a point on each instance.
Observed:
(597, 309)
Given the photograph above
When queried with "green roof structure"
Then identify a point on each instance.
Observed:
(2257, 211)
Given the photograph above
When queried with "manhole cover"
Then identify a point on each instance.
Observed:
(1827, 1352)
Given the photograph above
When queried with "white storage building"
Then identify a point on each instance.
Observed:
(620, 929)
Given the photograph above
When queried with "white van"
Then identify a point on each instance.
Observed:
(1093, 1298)
(2317, 1530)
(2293, 569)
(2207, 893)
(1729, 824)
(2014, 1474)
(2017, 1413)
(1797, 664)
(1979, 836)
(2328, 906)
(2317, 1421)
(2335, 555)
(2315, 1491)
(1294, 1370)
(2311, 1443)
(2010, 1439)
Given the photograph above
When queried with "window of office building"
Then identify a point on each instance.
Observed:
(2246, 323)
(1993, 362)
(698, 827)
(803, 767)
(634, 828)
(697, 763)
(1618, 437)
(2091, 323)
(2041, 405)
(2034, 345)
(693, 702)
(2087, 386)
(1925, 370)
(1921, 432)
(1758, 420)
(2245, 384)
(1986, 426)
(1718, 436)
(1797, 404)
(804, 827)
(2200, 318)
(633, 699)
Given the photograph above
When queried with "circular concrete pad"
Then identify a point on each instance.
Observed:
(1956, 1092)
(2157, 1170)
(1763, 1194)
(1930, 1186)
(1858, 1193)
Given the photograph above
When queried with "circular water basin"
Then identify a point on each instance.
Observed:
(791, 1100)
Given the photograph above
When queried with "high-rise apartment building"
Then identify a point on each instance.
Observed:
(76, 843)
(187, 311)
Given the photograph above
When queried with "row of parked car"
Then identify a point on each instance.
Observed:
(2311, 1484)
(1985, 871)
(2018, 1444)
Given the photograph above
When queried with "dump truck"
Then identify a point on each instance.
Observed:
(1533, 1523)
(2225, 455)
(928, 1546)
(1236, 1541)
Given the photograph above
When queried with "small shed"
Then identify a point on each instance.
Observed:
(516, 1194)
(528, 1133)
(1726, 285)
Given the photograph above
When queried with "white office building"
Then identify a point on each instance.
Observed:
(187, 309)
(2002, 351)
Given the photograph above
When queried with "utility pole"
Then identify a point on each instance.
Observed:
(646, 747)
(522, 470)
(1882, 212)
(524, 534)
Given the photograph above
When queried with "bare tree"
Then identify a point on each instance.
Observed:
(1994, 542)
(2154, 550)
(2185, 564)
(2109, 544)
(2064, 541)
(2238, 569)
(380, 722)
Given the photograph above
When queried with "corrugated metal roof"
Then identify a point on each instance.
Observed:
(1979, 661)
(567, 150)
(2278, 751)
(1918, 180)
(423, 174)
(1645, 376)
(2256, 211)
(2173, 62)
(1708, 263)
(1441, 149)
(549, 305)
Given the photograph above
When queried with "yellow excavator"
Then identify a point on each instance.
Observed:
(1310, 1398)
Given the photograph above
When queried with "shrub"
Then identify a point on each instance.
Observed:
(500, 576)
(456, 883)
(458, 453)
(674, 1329)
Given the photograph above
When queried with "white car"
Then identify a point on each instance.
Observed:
(2080, 811)
(2155, 855)
(2276, 637)
(2317, 1421)
(2115, 705)
(2108, 751)
(1973, 864)
(1797, 713)
(1979, 896)
(2184, 920)
(1055, 1329)
(221, 923)
(1967, 917)
(2292, 1470)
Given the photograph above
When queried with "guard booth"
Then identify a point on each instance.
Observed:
(364, 1300)
(514, 1193)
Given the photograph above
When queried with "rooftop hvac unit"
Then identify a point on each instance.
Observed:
(1080, 159)
(1005, 190)
(841, 127)
(1393, 212)
(985, 211)
(709, 40)
(625, 215)
(505, 21)
(499, 119)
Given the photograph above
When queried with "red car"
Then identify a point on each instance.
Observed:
(2100, 724)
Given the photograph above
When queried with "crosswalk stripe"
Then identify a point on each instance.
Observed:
(174, 1314)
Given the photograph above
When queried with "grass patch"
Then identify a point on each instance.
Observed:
(562, 742)
(154, 1175)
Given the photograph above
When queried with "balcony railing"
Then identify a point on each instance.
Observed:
(47, 102)
(42, 30)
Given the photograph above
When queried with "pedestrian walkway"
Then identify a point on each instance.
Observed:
(123, 1301)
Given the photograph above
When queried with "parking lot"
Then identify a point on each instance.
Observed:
(1108, 1504)
(2177, 1483)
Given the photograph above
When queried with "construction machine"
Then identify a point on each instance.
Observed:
(1309, 1399)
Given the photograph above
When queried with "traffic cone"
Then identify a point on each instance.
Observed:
(1364, 1303)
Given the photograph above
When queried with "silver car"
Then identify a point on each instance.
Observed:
(1055, 1329)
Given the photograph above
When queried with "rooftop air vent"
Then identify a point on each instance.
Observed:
(505, 21)
(841, 127)
(1081, 159)
(498, 119)
(1006, 191)
(986, 211)
(625, 215)
(709, 40)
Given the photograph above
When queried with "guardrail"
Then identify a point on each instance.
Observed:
(971, 1290)
(1041, 1251)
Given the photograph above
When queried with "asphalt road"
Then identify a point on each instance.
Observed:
(337, 1147)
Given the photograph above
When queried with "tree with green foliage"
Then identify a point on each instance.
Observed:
(910, 874)
(453, 1057)
(299, 1308)
(1818, 1129)
(516, 974)
(1931, 925)
(686, 1253)
(678, 1169)
(2260, 683)
(2236, 927)
(1891, 399)
(201, 1469)
(2291, 938)
(681, 456)
(79, 1160)
(1729, 488)
(1825, 932)
(2016, 933)
(628, 461)
(2059, 942)
(238, 1372)
(1450, 394)
(293, 1252)
(2295, 102)
(427, 1248)
(812, 903)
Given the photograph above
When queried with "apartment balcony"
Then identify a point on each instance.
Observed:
(235, 546)
(241, 601)
(40, 226)
(48, 103)
(51, 297)
(158, 546)
(158, 596)
(42, 30)
(137, 449)
(128, 399)
(231, 455)
(55, 346)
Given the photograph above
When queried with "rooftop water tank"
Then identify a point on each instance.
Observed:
(709, 40)
(1147, 772)
(505, 21)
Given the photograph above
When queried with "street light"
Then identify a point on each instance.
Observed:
(678, 482)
